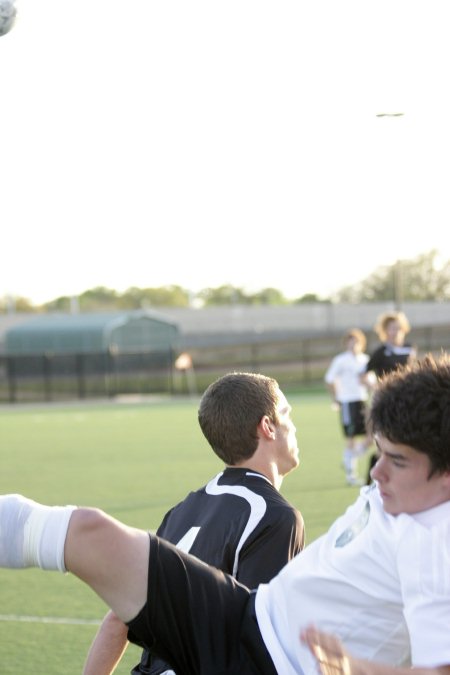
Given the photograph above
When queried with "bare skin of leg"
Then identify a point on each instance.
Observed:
(111, 558)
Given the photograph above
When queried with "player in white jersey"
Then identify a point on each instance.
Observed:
(373, 580)
(350, 394)
(378, 579)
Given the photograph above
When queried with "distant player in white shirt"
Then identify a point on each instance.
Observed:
(378, 579)
(350, 394)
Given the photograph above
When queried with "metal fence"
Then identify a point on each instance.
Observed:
(294, 361)
(58, 377)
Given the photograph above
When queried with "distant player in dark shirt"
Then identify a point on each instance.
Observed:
(391, 328)
(238, 522)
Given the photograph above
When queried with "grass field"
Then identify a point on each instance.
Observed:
(134, 460)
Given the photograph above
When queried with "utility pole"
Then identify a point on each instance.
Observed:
(397, 270)
(398, 285)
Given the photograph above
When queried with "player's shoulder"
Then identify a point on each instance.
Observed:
(340, 358)
(279, 508)
(259, 486)
(283, 518)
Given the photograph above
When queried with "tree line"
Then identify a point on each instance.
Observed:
(418, 280)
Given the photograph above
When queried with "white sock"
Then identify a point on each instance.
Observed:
(31, 534)
(350, 463)
(360, 449)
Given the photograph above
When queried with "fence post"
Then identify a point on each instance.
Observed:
(11, 374)
(110, 372)
(306, 360)
(171, 367)
(79, 370)
(254, 354)
(47, 371)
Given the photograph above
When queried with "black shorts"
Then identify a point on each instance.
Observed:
(197, 618)
(353, 418)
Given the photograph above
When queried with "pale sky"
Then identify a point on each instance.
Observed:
(154, 142)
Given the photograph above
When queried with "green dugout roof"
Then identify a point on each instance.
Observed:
(130, 331)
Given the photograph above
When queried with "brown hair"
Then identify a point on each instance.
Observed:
(386, 318)
(231, 409)
(358, 335)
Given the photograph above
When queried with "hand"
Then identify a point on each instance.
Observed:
(333, 659)
(331, 656)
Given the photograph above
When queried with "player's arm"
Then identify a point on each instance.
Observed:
(333, 659)
(330, 379)
(266, 554)
(331, 390)
(370, 377)
(107, 647)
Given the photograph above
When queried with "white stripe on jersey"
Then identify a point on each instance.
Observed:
(258, 475)
(185, 544)
(257, 509)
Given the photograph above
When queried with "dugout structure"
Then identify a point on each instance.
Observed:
(62, 356)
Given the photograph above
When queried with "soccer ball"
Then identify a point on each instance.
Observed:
(7, 16)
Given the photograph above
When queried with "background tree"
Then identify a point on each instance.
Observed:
(10, 305)
(426, 278)
(98, 298)
(268, 296)
(164, 296)
(92, 300)
(309, 298)
(419, 280)
(422, 279)
(223, 295)
(232, 295)
(60, 304)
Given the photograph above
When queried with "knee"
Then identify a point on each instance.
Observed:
(86, 523)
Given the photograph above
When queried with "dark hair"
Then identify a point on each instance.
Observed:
(231, 409)
(411, 406)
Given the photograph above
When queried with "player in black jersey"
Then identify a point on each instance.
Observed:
(391, 328)
(238, 522)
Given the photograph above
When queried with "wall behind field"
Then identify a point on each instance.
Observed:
(227, 325)
(294, 344)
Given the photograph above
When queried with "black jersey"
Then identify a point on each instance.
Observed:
(239, 523)
(387, 358)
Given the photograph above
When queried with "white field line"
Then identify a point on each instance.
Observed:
(49, 619)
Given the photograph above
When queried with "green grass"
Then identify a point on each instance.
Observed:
(134, 461)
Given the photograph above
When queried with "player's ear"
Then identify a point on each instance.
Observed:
(266, 428)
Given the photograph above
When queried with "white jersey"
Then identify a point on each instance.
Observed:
(379, 582)
(344, 372)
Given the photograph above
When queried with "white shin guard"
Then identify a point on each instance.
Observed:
(31, 534)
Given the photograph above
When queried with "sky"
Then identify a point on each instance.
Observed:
(201, 143)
